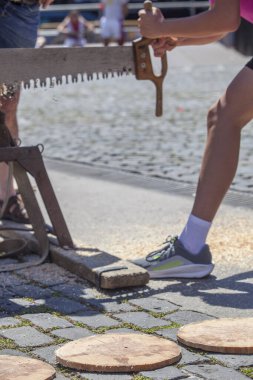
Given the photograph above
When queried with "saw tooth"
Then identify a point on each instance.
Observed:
(52, 82)
(43, 83)
(58, 81)
(26, 85)
(82, 77)
(74, 79)
(35, 83)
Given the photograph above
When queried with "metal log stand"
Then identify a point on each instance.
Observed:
(103, 269)
(29, 160)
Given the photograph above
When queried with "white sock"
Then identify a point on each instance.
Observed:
(193, 236)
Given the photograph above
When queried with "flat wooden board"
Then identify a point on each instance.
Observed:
(118, 353)
(103, 269)
(23, 368)
(226, 335)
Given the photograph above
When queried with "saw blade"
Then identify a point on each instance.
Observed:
(54, 66)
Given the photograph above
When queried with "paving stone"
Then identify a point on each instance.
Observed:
(183, 317)
(9, 321)
(72, 333)
(59, 376)
(26, 336)
(64, 305)
(5, 293)
(32, 291)
(189, 357)
(213, 372)
(48, 274)
(111, 307)
(154, 304)
(11, 307)
(25, 303)
(12, 352)
(75, 291)
(234, 361)
(171, 373)
(47, 353)
(109, 376)
(9, 279)
(93, 319)
(168, 333)
(121, 331)
(47, 320)
(142, 319)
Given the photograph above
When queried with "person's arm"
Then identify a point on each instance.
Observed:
(169, 43)
(89, 25)
(62, 26)
(200, 40)
(45, 3)
(223, 17)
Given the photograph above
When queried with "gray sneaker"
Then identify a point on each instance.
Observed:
(174, 261)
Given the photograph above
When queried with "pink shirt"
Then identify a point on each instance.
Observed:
(246, 9)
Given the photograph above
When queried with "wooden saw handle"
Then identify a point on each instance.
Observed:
(144, 68)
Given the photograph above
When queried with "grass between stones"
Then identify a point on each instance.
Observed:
(248, 371)
(7, 344)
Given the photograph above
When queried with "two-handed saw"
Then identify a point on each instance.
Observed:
(57, 65)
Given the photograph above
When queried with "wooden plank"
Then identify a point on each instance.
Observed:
(226, 335)
(101, 268)
(118, 353)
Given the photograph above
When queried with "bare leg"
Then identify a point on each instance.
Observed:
(9, 107)
(106, 41)
(225, 121)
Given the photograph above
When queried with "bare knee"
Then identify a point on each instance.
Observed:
(212, 117)
(221, 115)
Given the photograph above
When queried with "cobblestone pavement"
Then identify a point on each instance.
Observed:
(46, 306)
(111, 123)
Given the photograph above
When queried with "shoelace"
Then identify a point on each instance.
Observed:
(167, 251)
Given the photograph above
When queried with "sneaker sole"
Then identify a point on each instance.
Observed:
(186, 271)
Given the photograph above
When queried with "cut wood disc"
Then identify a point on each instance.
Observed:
(226, 335)
(23, 368)
(118, 353)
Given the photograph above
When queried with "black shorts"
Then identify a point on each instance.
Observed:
(250, 64)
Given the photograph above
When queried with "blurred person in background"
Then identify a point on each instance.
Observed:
(74, 28)
(19, 22)
(113, 15)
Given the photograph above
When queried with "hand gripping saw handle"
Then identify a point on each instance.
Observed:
(144, 68)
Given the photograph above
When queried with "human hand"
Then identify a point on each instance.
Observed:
(161, 45)
(150, 23)
(45, 3)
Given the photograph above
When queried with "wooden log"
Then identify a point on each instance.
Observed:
(226, 335)
(23, 368)
(118, 353)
